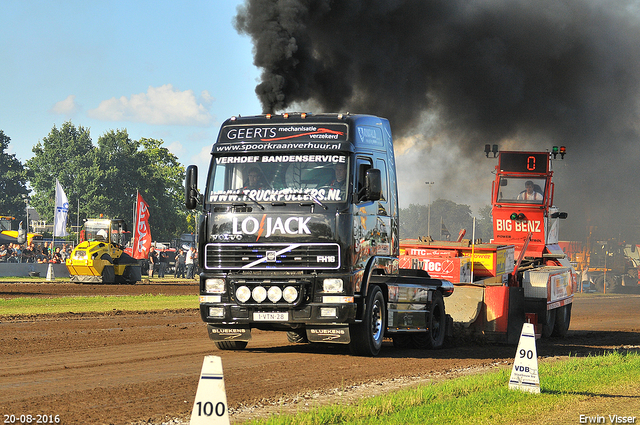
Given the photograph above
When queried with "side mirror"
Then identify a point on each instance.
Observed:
(373, 185)
(191, 187)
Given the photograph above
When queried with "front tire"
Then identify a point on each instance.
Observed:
(298, 336)
(231, 345)
(367, 336)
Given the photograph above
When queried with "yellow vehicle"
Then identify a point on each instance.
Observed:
(101, 256)
(14, 236)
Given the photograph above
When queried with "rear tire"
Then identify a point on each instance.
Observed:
(437, 322)
(231, 345)
(563, 318)
(548, 323)
(612, 285)
(367, 336)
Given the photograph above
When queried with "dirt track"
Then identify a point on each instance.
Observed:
(143, 367)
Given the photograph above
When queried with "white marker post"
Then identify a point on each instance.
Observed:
(524, 375)
(210, 406)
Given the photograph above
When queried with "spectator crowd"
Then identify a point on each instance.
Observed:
(34, 253)
(182, 262)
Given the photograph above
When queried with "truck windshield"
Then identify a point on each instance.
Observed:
(279, 178)
(521, 190)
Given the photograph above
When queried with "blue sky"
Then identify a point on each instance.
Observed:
(161, 69)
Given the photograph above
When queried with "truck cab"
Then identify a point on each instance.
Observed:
(522, 201)
(299, 222)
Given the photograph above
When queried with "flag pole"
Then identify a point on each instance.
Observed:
(55, 215)
(78, 223)
(135, 209)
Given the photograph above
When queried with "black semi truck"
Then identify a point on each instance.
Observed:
(298, 232)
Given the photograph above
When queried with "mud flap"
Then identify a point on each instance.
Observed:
(228, 334)
(465, 304)
(337, 335)
(516, 315)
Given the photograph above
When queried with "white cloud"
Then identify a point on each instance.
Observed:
(176, 148)
(162, 105)
(68, 107)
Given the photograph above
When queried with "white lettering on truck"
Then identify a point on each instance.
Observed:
(506, 225)
(271, 225)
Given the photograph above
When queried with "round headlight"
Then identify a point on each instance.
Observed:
(290, 294)
(274, 294)
(259, 294)
(243, 294)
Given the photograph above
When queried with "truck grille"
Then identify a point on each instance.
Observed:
(274, 256)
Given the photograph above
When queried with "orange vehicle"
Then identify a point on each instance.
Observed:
(523, 275)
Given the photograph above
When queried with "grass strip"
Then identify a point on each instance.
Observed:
(485, 398)
(99, 304)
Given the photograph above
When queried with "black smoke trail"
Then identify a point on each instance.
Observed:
(561, 72)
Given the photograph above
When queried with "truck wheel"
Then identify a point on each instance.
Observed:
(548, 323)
(563, 317)
(437, 322)
(611, 284)
(366, 337)
(298, 336)
(231, 345)
(436, 326)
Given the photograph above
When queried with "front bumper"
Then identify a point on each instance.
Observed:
(309, 314)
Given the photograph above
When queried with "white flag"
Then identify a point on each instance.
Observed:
(62, 207)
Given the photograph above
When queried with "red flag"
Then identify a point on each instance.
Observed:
(141, 234)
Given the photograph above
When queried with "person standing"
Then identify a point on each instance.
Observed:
(189, 262)
(180, 262)
(162, 262)
(153, 260)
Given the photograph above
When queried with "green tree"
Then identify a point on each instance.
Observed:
(104, 179)
(163, 177)
(455, 217)
(484, 226)
(12, 181)
(65, 154)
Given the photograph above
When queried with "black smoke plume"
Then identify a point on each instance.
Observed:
(540, 72)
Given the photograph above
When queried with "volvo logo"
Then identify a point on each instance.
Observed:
(226, 237)
(271, 256)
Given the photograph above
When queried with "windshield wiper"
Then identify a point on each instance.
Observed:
(246, 195)
(313, 198)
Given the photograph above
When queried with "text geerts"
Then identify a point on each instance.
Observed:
(251, 133)
(526, 226)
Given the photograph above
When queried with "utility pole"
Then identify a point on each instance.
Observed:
(429, 217)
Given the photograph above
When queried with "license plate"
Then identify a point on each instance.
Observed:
(271, 317)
